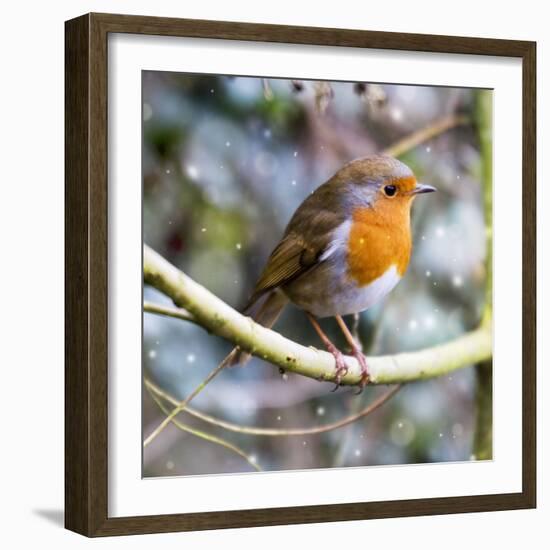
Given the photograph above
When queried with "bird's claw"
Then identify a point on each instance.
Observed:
(340, 364)
(365, 376)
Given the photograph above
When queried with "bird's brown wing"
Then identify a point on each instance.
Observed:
(306, 237)
(290, 258)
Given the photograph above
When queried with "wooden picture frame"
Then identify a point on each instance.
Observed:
(86, 219)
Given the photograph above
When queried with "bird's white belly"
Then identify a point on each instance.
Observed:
(354, 298)
(330, 292)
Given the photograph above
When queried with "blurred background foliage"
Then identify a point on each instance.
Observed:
(226, 161)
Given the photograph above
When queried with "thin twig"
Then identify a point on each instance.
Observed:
(204, 435)
(178, 313)
(429, 132)
(187, 400)
(323, 95)
(267, 91)
(275, 432)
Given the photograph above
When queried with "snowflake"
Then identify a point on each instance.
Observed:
(397, 114)
(192, 171)
(429, 321)
(147, 111)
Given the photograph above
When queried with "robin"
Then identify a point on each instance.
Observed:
(345, 248)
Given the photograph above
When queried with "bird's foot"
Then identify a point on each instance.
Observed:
(365, 376)
(340, 364)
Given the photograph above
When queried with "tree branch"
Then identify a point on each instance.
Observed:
(413, 140)
(276, 432)
(204, 435)
(150, 307)
(219, 318)
(181, 405)
(483, 438)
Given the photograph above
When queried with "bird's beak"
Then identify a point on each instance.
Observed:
(422, 188)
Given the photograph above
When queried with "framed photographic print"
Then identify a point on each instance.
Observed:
(300, 274)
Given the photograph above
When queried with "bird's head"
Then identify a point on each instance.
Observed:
(379, 181)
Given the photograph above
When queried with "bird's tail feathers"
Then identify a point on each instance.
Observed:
(264, 312)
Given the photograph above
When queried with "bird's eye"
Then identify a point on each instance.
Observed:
(390, 190)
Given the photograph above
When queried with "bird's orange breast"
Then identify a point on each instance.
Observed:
(379, 238)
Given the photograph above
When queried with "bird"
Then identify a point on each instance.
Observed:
(345, 248)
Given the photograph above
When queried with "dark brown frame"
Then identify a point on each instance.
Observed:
(86, 273)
